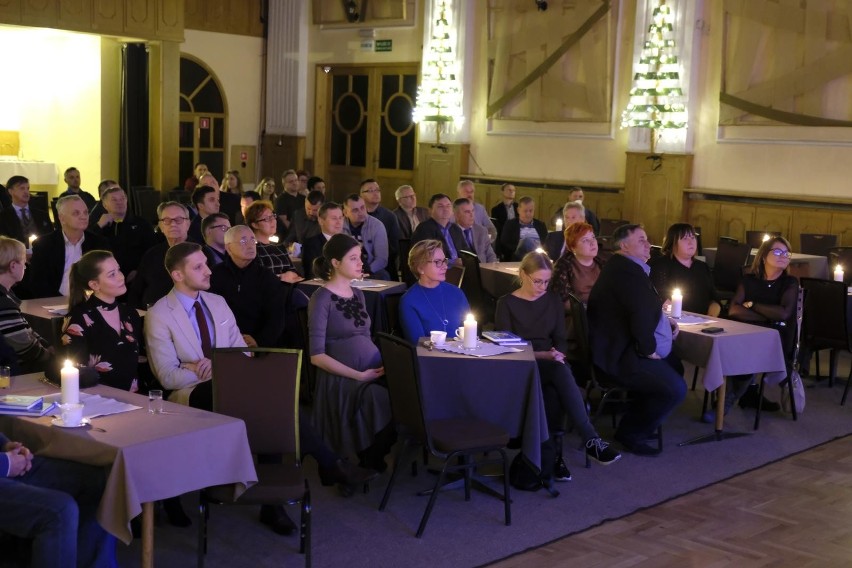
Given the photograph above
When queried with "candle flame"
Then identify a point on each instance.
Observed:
(68, 364)
(539, 250)
(765, 237)
(469, 317)
(838, 268)
(676, 292)
(273, 239)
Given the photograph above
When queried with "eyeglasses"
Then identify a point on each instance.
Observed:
(247, 241)
(176, 221)
(588, 240)
(371, 190)
(780, 252)
(266, 219)
(439, 262)
(406, 196)
(223, 228)
(539, 282)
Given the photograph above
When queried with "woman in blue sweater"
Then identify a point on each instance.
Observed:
(431, 304)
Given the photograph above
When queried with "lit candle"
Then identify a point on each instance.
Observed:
(559, 224)
(765, 237)
(273, 239)
(469, 332)
(70, 381)
(32, 239)
(838, 273)
(677, 303)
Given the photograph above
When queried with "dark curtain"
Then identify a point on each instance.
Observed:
(133, 167)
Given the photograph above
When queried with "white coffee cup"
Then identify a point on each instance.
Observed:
(71, 413)
(460, 333)
(437, 337)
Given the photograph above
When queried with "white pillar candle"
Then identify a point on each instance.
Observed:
(70, 381)
(838, 273)
(559, 224)
(677, 303)
(32, 239)
(469, 332)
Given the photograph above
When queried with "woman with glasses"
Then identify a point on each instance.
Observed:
(267, 189)
(678, 268)
(260, 216)
(767, 297)
(351, 407)
(430, 304)
(536, 314)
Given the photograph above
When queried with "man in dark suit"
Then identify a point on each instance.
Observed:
(129, 237)
(19, 221)
(54, 254)
(554, 243)
(475, 236)
(331, 219)
(408, 214)
(522, 234)
(440, 226)
(72, 179)
(304, 224)
(506, 209)
(631, 340)
(205, 199)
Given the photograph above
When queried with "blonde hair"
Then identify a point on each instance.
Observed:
(421, 253)
(10, 249)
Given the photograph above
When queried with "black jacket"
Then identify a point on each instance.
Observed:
(48, 261)
(510, 236)
(10, 224)
(430, 229)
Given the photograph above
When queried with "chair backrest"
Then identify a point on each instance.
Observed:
(729, 263)
(818, 244)
(755, 238)
(262, 390)
(729, 240)
(403, 377)
(824, 312)
(581, 329)
(608, 226)
(455, 275)
(404, 270)
(472, 287)
(392, 310)
(656, 251)
(308, 371)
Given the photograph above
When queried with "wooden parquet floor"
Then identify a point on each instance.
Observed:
(796, 512)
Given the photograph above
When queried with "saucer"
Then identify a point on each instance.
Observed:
(61, 424)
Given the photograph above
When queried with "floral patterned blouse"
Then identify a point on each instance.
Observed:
(89, 340)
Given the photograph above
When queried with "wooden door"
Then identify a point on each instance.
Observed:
(364, 119)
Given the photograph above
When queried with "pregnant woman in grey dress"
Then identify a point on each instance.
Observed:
(351, 406)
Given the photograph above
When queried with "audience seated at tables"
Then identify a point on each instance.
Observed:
(205, 199)
(213, 227)
(370, 233)
(72, 180)
(440, 227)
(351, 407)
(128, 236)
(288, 201)
(152, 281)
(99, 332)
(678, 268)
(522, 234)
(506, 209)
(304, 225)
(767, 296)
(430, 304)
(54, 502)
(33, 352)
(330, 219)
(19, 220)
(261, 219)
(255, 295)
(466, 189)
(54, 254)
(631, 340)
(371, 193)
(229, 203)
(408, 214)
(554, 242)
(475, 235)
(534, 313)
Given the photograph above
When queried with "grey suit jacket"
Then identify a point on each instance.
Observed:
(405, 230)
(171, 341)
(374, 238)
(482, 244)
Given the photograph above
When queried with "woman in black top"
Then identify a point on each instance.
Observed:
(678, 268)
(100, 332)
(536, 314)
(766, 297)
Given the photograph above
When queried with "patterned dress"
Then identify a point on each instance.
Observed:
(347, 413)
(89, 340)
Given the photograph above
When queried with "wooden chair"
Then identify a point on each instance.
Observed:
(755, 238)
(825, 324)
(817, 243)
(455, 441)
(263, 391)
(728, 267)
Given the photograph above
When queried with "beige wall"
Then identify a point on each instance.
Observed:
(237, 61)
(52, 96)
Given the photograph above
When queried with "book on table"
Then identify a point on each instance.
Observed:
(18, 401)
(501, 337)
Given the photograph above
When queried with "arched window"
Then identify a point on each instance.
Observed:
(203, 118)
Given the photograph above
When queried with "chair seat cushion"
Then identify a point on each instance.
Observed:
(455, 434)
(275, 483)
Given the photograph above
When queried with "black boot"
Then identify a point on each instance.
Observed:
(751, 398)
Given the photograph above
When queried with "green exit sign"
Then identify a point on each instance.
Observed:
(384, 45)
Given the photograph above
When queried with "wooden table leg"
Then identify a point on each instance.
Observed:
(720, 406)
(148, 535)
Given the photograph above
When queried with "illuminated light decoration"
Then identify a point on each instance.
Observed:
(656, 99)
(439, 96)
